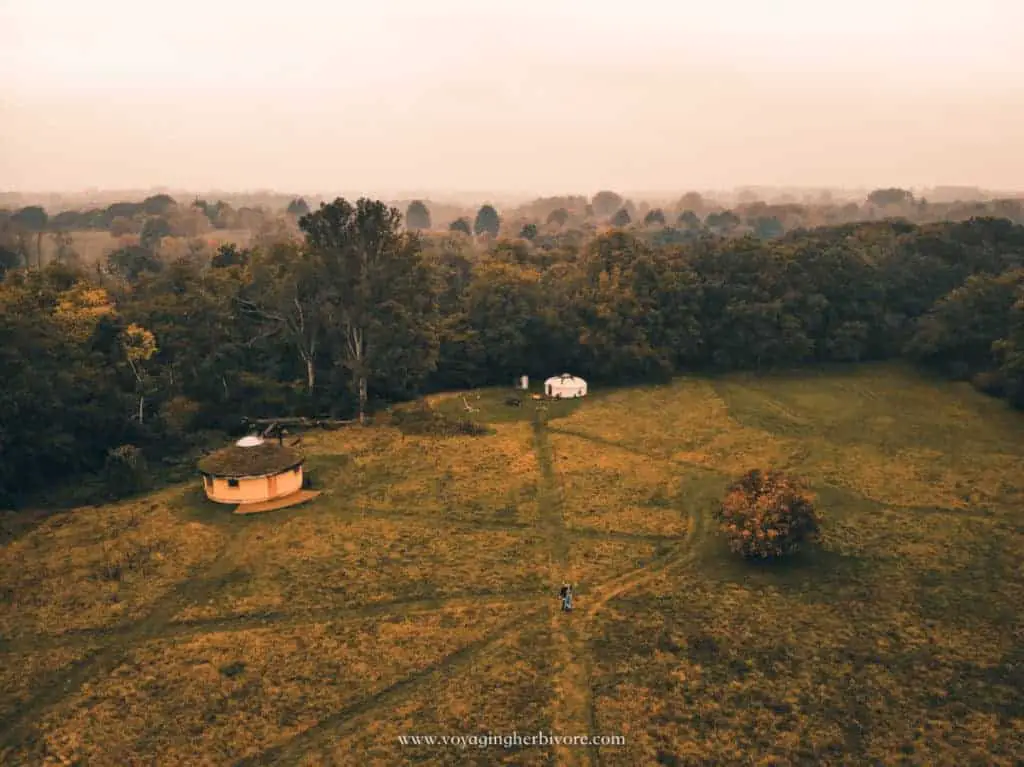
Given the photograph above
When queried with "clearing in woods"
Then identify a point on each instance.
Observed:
(418, 594)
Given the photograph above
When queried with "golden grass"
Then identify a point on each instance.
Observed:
(21, 671)
(228, 695)
(687, 422)
(615, 490)
(96, 567)
(722, 671)
(899, 639)
(592, 561)
(506, 689)
(471, 478)
(314, 559)
(890, 437)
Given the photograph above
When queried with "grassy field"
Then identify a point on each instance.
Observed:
(417, 594)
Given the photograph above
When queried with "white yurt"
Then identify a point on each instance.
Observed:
(565, 386)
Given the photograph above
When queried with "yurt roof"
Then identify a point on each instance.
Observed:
(250, 458)
(565, 378)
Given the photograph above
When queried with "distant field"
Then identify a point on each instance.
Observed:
(417, 595)
(93, 246)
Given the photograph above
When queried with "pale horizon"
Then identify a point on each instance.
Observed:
(523, 100)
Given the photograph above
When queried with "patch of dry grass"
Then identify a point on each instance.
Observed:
(656, 421)
(311, 559)
(722, 669)
(899, 639)
(614, 490)
(20, 672)
(687, 422)
(491, 478)
(891, 436)
(222, 696)
(592, 561)
(506, 689)
(97, 567)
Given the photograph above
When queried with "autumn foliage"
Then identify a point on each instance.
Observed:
(768, 514)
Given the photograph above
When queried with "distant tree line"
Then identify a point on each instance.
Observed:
(359, 311)
(693, 216)
(160, 217)
(147, 222)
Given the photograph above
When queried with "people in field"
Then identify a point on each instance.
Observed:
(566, 596)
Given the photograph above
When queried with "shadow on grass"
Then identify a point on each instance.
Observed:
(319, 472)
(817, 572)
(93, 489)
(815, 568)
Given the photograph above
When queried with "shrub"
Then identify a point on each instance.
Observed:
(768, 514)
(126, 471)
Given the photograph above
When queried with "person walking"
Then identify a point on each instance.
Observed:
(566, 594)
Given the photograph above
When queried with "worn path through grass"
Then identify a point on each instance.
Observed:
(324, 733)
(573, 635)
(573, 701)
(17, 728)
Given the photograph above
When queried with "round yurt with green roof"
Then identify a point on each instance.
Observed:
(251, 471)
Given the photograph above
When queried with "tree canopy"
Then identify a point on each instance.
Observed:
(487, 221)
(654, 217)
(558, 217)
(605, 203)
(891, 196)
(417, 216)
(621, 218)
(351, 312)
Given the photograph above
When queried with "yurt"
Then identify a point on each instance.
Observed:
(251, 471)
(565, 386)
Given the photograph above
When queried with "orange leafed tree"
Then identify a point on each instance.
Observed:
(768, 514)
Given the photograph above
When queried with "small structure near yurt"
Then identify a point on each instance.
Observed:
(565, 386)
(255, 474)
(523, 383)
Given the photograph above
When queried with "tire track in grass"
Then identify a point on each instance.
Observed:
(328, 730)
(572, 636)
(19, 727)
(572, 695)
(279, 619)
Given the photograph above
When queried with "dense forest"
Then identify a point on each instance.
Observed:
(349, 308)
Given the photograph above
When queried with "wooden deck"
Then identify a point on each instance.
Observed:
(278, 503)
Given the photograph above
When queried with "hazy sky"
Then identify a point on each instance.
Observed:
(542, 96)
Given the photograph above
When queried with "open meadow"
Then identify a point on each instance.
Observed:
(417, 595)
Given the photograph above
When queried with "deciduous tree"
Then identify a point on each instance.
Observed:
(381, 302)
(606, 203)
(487, 221)
(767, 514)
(654, 217)
(297, 207)
(417, 216)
